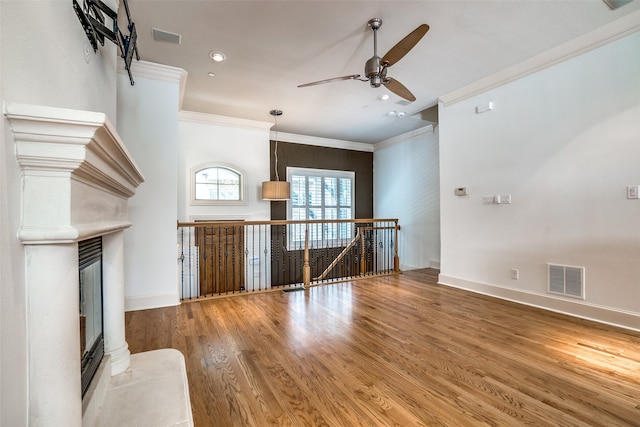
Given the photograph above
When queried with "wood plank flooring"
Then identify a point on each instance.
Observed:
(394, 351)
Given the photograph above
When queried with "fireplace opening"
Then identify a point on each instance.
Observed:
(91, 324)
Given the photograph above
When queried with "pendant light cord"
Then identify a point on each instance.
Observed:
(275, 150)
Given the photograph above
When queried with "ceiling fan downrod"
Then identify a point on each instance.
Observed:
(373, 69)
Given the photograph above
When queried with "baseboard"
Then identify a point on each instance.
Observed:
(600, 314)
(145, 302)
(406, 267)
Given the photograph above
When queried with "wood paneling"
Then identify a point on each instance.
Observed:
(221, 263)
(398, 350)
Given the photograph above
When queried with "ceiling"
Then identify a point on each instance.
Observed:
(274, 46)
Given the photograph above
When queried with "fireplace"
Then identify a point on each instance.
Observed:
(76, 179)
(91, 324)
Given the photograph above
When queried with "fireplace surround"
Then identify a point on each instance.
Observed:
(76, 179)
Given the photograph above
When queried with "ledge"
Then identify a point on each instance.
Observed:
(153, 391)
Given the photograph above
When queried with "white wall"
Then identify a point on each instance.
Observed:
(42, 62)
(241, 144)
(564, 143)
(406, 186)
(148, 124)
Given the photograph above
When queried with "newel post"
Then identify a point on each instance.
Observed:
(396, 258)
(306, 269)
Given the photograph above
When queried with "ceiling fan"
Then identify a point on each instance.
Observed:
(375, 69)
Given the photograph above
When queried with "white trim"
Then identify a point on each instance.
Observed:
(211, 202)
(58, 147)
(608, 33)
(163, 73)
(144, 302)
(402, 138)
(571, 307)
(322, 142)
(213, 119)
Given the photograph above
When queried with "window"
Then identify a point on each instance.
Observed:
(216, 184)
(321, 194)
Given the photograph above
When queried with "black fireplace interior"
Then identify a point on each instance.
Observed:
(91, 325)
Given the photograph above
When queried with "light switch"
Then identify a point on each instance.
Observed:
(632, 191)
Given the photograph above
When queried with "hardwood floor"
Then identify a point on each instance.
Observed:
(399, 351)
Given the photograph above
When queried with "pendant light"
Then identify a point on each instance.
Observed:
(276, 190)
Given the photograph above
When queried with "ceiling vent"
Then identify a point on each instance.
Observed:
(566, 280)
(614, 4)
(166, 36)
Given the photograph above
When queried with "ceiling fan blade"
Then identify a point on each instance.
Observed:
(399, 89)
(401, 48)
(335, 79)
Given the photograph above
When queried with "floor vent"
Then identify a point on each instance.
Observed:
(566, 280)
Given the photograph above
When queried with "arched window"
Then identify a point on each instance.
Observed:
(214, 184)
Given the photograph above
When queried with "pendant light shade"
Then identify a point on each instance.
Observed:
(276, 190)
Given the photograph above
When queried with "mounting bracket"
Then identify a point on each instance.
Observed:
(92, 19)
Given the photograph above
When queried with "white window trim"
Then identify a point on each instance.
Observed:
(325, 173)
(201, 202)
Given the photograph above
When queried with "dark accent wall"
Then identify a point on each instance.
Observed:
(311, 156)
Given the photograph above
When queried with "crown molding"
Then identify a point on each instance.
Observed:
(319, 141)
(213, 119)
(402, 138)
(626, 25)
(153, 71)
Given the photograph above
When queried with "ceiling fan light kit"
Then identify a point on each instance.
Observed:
(375, 69)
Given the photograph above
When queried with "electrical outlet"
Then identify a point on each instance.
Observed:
(515, 274)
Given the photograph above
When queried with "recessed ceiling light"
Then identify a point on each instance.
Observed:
(383, 97)
(218, 56)
(211, 74)
(401, 113)
(391, 113)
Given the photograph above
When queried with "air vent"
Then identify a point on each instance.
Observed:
(614, 4)
(403, 102)
(566, 280)
(166, 36)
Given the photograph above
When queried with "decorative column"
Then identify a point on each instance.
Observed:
(115, 344)
(77, 177)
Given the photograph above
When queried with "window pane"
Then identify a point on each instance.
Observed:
(315, 192)
(330, 191)
(298, 214)
(217, 183)
(345, 192)
(331, 229)
(206, 191)
(315, 213)
(205, 175)
(229, 192)
(345, 213)
(298, 190)
(225, 176)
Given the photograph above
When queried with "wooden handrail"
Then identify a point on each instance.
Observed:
(283, 222)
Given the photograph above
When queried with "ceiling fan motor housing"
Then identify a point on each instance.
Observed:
(374, 71)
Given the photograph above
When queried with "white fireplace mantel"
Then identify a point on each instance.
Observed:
(77, 177)
(76, 173)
